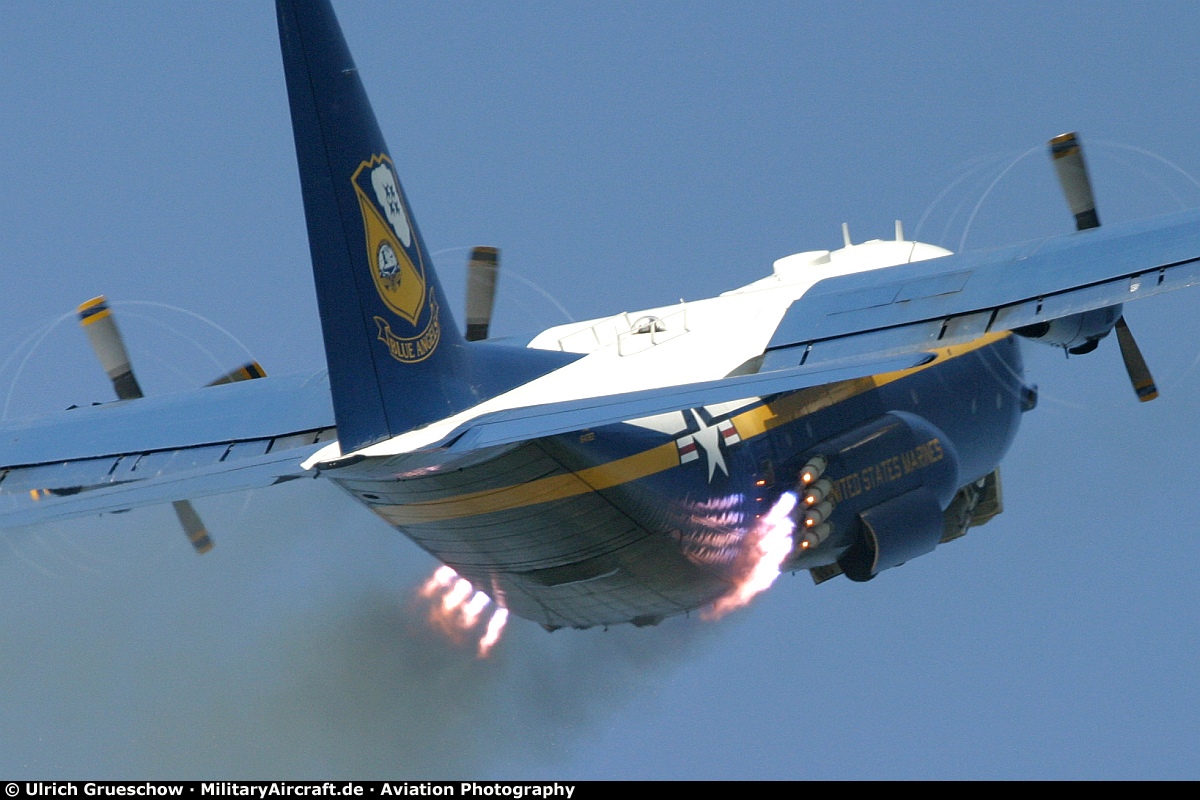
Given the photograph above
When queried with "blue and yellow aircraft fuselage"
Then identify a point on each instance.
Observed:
(623, 469)
(618, 524)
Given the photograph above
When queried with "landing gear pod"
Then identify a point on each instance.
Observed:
(893, 532)
(875, 495)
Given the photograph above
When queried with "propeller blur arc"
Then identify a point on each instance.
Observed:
(105, 337)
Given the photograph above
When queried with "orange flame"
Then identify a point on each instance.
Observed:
(475, 607)
(494, 629)
(455, 608)
(769, 544)
(438, 580)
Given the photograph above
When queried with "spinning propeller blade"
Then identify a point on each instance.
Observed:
(482, 271)
(246, 372)
(1135, 365)
(1066, 152)
(193, 527)
(101, 328)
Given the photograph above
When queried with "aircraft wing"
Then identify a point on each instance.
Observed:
(404, 379)
(954, 299)
(258, 433)
(895, 318)
(116, 456)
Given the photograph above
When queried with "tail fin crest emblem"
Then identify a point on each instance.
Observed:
(395, 260)
(411, 349)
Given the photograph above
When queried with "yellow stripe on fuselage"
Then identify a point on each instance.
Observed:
(794, 405)
(755, 422)
(556, 487)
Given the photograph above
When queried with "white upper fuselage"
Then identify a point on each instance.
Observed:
(672, 345)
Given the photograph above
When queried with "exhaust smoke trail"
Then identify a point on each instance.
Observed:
(293, 650)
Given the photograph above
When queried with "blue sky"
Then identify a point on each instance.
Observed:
(621, 155)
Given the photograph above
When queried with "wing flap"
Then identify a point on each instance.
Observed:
(48, 492)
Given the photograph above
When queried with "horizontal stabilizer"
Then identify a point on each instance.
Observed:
(33, 495)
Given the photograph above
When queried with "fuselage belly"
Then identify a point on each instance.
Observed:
(636, 522)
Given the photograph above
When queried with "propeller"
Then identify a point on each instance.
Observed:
(482, 271)
(246, 372)
(193, 526)
(96, 318)
(1135, 365)
(1066, 152)
(101, 328)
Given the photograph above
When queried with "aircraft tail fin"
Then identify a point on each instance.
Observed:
(397, 360)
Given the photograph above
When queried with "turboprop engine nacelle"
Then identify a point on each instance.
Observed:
(1078, 333)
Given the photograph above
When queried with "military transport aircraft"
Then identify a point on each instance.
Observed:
(842, 415)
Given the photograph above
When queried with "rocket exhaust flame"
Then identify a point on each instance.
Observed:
(454, 598)
(767, 546)
(494, 629)
(473, 609)
(440, 579)
(455, 608)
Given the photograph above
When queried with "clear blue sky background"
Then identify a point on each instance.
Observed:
(621, 155)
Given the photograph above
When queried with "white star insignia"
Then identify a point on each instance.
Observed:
(708, 438)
